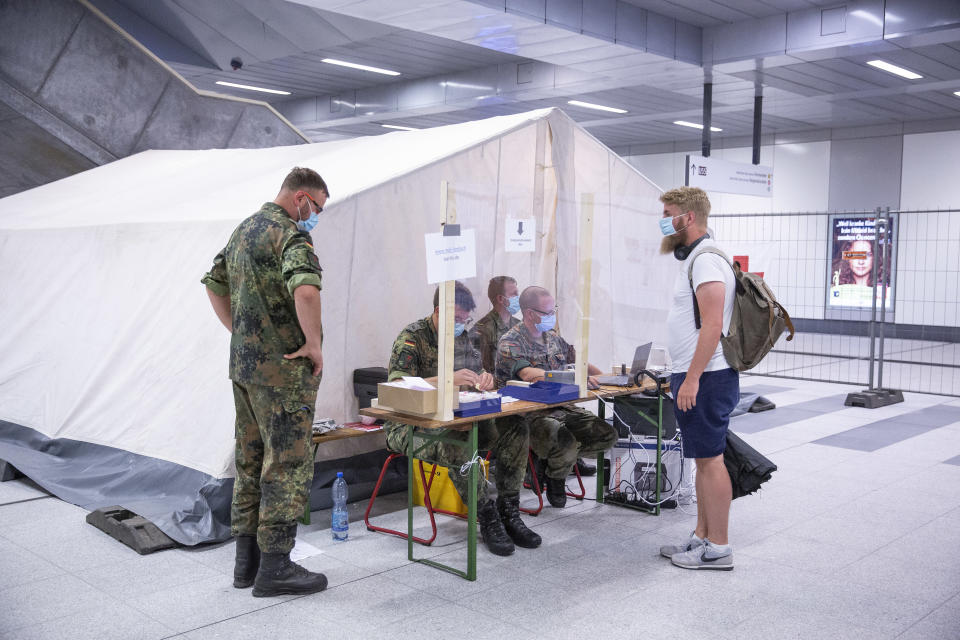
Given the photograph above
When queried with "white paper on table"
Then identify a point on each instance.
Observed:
(416, 382)
(451, 257)
(507, 399)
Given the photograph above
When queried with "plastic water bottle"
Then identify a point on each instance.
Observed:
(340, 523)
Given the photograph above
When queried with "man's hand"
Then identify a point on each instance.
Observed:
(687, 394)
(309, 351)
(485, 382)
(465, 378)
(593, 383)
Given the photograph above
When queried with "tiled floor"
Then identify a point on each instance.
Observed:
(847, 541)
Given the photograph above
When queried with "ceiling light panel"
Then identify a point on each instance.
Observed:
(883, 65)
(598, 107)
(693, 125)
(361, 67)
(252, 88)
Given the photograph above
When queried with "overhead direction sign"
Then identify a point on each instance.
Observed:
(711, 174)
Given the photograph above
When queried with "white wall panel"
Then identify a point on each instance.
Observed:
(930, 162)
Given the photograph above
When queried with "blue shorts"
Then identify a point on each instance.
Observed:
(704, 427)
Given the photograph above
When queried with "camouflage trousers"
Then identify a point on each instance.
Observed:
(559, 436)
(274, 459)
(506, 437)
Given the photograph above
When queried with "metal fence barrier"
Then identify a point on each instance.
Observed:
(875, 295)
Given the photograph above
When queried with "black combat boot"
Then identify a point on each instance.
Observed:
(557, 492)
(509, 508)
(248, 561)
(279, 576)
(491, 530)
(585, 468)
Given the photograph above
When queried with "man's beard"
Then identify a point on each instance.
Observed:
(669, 243)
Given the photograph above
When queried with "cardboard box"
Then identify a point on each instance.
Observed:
(413, 401)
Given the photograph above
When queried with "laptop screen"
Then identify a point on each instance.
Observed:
(640, 358)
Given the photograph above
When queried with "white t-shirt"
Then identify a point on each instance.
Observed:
(682, 332)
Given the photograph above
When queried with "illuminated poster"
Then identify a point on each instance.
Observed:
(851, 269)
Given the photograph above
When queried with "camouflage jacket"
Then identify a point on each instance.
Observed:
(415, 352)
(266, 258)
(487, 332)
(516, 351)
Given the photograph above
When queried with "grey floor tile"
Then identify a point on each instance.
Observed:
(299, 618)
(19, 566)
(763, 388)
(757, 422)
(144, 575)
(114, 622)
(20, 490)
(48, 512)
(47, 600)
(943, 622)
(453, 621)
(786, 623)
(378, 601)
(199, 603)
(66, 540)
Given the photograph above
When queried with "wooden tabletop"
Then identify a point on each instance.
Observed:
(513, 408)
(340, 434)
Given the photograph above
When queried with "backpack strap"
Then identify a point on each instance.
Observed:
(696, 307)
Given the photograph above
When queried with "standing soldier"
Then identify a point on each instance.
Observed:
(265, 289)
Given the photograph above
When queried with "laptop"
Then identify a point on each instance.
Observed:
(639, 364)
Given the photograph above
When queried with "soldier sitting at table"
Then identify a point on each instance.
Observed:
(415, 354)
(560, 434)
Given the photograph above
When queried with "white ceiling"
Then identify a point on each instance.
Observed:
(805, 89)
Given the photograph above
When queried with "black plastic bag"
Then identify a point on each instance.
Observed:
(748, 468)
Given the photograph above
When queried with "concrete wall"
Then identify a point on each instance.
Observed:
(84, 93)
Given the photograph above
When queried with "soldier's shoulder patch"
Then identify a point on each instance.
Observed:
(410, 343)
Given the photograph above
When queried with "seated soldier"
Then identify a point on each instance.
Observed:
(560, 434)
(486, 333)
(415, 354)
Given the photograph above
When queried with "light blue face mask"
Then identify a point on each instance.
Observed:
(513, 305)
(308, 224)
(458, 328)
(666, 226)
(546, 323)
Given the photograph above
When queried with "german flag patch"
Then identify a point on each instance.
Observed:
(410, 343)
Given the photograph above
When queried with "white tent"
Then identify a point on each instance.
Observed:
(108, 339)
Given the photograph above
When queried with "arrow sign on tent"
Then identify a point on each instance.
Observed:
(520, 235)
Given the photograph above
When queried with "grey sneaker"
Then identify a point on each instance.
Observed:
(670, 550)
(699, 558)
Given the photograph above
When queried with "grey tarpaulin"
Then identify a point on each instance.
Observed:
(188, 505)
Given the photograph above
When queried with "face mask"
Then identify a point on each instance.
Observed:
(458, 328)
(308, 224)
(546, 323)
(666, 226)
(513, 305)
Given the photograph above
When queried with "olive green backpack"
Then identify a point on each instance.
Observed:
(758, 319)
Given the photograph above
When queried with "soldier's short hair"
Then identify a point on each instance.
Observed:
(689, 199)
(497, 286)
(462, 297)
(531, 296)
(304, 178)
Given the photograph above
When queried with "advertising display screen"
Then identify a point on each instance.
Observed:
(850, 283)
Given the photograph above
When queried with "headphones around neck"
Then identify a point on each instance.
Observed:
(683, 252)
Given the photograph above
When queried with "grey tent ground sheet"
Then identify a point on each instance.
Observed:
(188, 505)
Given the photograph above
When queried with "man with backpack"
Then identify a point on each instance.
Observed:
(705, 387)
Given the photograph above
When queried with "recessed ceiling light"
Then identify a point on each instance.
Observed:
(397, 126)
(598, 107)
(894, 69)
(362, 67)
(957, 93)
(252, 88)
(694, 125)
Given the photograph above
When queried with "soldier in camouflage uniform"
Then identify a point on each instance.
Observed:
(560, 434)
(265, 288)
(505, 298)
(415, 354)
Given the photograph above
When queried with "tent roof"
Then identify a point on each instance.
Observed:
(232, 175)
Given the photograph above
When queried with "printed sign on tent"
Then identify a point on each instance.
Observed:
(451, 257)
(521, 235)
